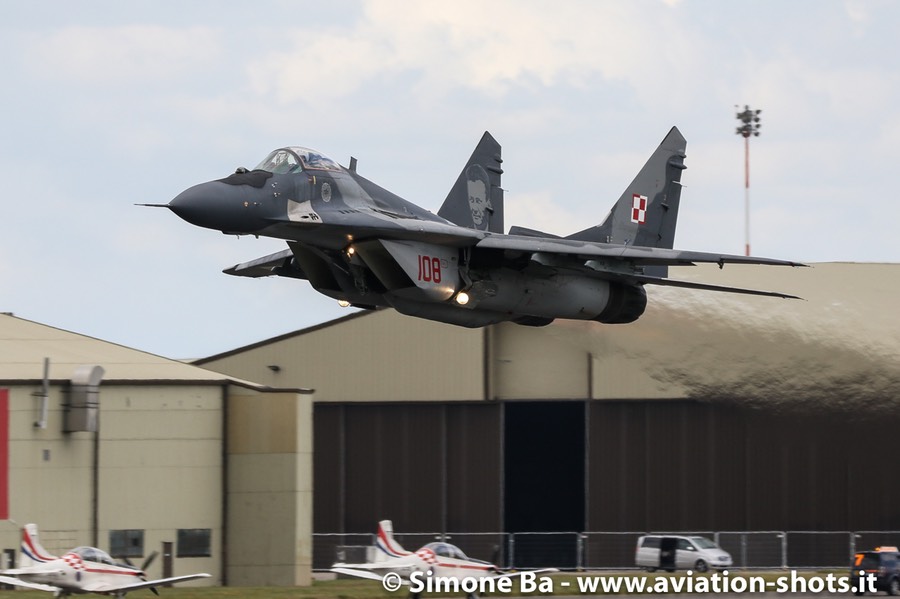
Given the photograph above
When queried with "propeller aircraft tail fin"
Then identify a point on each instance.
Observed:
(32, 552)
(386, 541)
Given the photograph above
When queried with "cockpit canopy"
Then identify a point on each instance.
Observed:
(92, 554)
(295, 159)
(446, 550)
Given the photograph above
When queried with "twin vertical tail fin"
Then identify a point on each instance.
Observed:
(386, 542)
(32, 552)
(647, 211)
(476, 199)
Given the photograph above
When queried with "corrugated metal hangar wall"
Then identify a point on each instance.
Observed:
(599, 466)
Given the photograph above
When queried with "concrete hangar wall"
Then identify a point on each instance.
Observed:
(712, 412)
(135, 453)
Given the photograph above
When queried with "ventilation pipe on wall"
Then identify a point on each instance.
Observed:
(84, 400)
(44, 395)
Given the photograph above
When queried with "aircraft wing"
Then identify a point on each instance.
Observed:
(367, 574)
(523, 572)
(633, 254)
(29, 585)
(603, 260)
(144, 584)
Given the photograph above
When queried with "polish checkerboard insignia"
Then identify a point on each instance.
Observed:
(638, 209)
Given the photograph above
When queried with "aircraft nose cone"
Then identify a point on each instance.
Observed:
(189, 204)
(217, 205)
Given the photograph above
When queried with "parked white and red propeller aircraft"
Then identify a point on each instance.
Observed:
(437, 559)
(81, 570)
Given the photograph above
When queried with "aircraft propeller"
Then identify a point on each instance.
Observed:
(149, 560)
(144, 567)
(495, 557)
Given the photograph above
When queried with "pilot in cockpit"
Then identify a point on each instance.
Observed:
(279, 162)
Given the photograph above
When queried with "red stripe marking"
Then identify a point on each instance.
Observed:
(465, 566)
(387, 543)
(26, 538)
(119, 572)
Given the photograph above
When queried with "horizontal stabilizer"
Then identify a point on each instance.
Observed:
(29, 585)
(363, 574)
(27, 570)
(517, 230)
(690, 285)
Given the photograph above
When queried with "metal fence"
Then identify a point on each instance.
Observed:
(615, 550)
(758, 549)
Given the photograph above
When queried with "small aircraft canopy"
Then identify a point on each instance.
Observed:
(295, 159)
(446, 550)
(92, 554)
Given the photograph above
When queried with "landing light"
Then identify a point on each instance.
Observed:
(462, 298)
(350, 250)
(343, 303)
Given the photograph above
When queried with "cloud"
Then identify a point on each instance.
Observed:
(488, 48)
(123, 55)
(858, 11)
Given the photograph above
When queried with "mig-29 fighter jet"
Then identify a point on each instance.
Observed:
(366, 247)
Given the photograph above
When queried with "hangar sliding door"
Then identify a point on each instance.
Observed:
(428, 467)
(694, 466)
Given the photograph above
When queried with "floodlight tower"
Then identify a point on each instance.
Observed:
(749, 126)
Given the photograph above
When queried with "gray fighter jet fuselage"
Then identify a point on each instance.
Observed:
(365, 246)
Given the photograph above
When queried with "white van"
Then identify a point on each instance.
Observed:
(670, 552)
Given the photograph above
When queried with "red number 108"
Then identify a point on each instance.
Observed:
(429, 269)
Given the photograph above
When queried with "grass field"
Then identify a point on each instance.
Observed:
(356, 589)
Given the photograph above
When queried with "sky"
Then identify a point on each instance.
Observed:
(108, 104)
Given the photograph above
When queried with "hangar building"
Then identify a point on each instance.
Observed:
(713, 412)
(108, 446)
